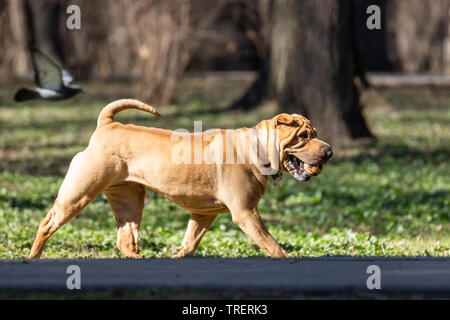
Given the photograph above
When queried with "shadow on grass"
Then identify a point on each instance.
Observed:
(23, 203)
(54, 166)
(57, 125)
(44, 202)
(397, 152)
(405, 200)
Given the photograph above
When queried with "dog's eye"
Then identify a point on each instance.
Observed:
(304, 135)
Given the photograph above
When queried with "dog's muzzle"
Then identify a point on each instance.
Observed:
(300, 170)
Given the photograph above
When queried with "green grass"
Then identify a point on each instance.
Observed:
(391, 199)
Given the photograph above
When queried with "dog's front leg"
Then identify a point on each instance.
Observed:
(197, 226)
(251, 223)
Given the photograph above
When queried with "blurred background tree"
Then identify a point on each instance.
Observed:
(414, 37)
(310, 56)
(313, 66)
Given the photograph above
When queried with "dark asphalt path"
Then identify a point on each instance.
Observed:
(287, 278)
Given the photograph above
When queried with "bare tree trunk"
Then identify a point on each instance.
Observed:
(313, 67)
(259, 36)
(256, 93)
(44, 20)
(413, 37)
(14, 39)
(103, 47)
(159, 32)
(416, 32)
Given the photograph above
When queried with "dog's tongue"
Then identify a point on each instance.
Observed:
(312, 170)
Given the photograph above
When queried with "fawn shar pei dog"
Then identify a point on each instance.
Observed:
(207, 173)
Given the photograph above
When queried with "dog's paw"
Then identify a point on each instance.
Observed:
(183, 252)
(175, 249)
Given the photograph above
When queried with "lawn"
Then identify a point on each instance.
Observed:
(391, 199)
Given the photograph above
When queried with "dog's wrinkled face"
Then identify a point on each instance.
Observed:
(301, 153)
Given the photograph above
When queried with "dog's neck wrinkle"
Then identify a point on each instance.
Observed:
(264, 139)
(261, 148)
(263, 153)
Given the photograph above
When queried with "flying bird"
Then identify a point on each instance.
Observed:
(53, 82)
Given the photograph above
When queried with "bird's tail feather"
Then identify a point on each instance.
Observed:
(107, 114)
(25, 94)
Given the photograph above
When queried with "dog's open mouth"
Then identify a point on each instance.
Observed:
(299, 170)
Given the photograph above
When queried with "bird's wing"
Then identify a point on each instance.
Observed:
(66, 77)
(48, 74)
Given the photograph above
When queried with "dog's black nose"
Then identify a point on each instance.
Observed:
(329, 153)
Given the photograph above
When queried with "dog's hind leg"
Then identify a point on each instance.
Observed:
(127, 202)
(83, 182)
(197, 227)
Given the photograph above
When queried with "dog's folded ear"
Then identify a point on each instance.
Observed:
(283, 119)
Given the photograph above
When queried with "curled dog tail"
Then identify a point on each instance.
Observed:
(107, 114)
